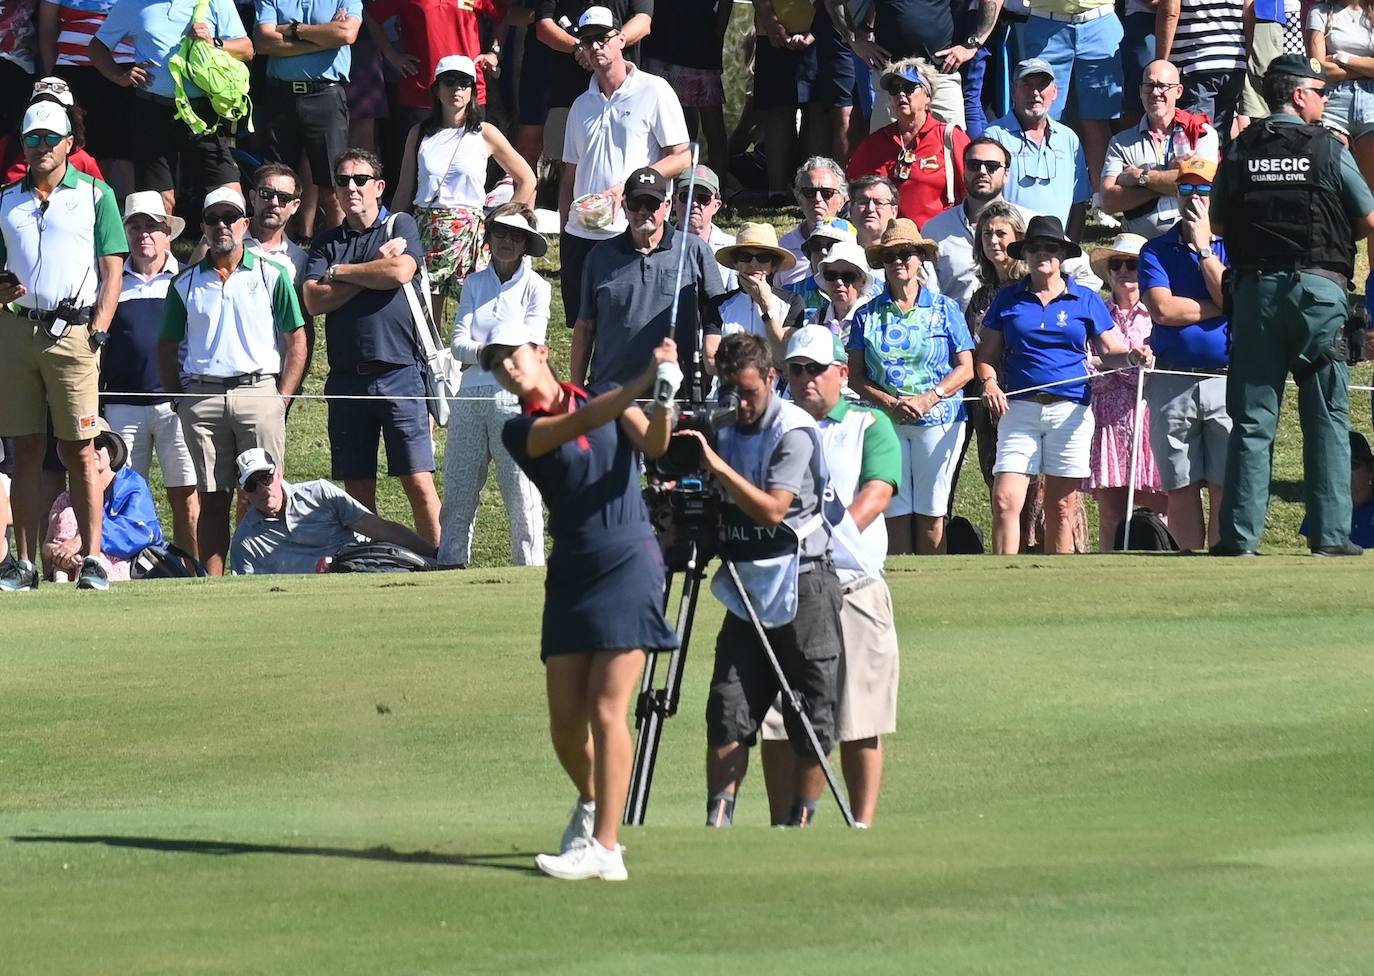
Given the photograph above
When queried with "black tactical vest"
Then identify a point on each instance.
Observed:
(1283, 213)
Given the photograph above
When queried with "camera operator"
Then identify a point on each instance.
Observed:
(62, 244)
(773, 474)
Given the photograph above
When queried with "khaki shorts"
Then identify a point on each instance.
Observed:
(869, 669)
(221, 426)
(39, 374)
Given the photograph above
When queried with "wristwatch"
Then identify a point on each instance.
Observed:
(1205, 251)
(98, 339)
(218, 41)
(940, 392)
(328, 277)
(294, 30)
(972, 42)
(1143, 179)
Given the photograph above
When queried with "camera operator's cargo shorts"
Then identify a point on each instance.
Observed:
(743, 684)
(39, 373)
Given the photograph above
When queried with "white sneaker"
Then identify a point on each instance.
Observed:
(589, 860)
(580, 826)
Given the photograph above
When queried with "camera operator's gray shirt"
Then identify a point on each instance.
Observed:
(790, 469)
(314, 524)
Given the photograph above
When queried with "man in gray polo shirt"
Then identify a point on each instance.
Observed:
(627, 288)
(290, 528)
(1139, 176)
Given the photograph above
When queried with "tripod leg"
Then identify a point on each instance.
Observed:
(791, 698)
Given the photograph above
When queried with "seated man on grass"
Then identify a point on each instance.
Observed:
(290, 528)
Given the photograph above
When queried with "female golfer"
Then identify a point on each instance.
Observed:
(603, 592)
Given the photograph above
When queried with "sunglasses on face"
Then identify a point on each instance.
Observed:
(281, 196)
(1129, 264)
(907, 88)
(756, 257)
(226, 218)
(900, 257)
(33, 140)
(850, 278)
(985, 165)
(824, 192)
(505, 234)
(357, 179)
(643, 203)
(1319, 91)
(821, 246)
(257, 482)
(1195, 189)
(700, 199)
(810, 369)
(596, 41)
(456, 79)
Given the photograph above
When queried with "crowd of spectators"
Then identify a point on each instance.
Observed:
(945, 158)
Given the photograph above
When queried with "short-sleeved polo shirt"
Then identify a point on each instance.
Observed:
(1047, 343)
(1145, 149)
(630, 297)
(609, 138)
(54, 245)
(156, 29)
(376, 325)
(1048, 177)
(230, 325)
(326, 64)
(129, 364)
(1166, 262)
(314, 524)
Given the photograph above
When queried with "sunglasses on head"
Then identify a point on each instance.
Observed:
(357, 179)
(643, 203)
(1195, 189)
(225, 217)
(985, 165)
(809, 368)
(757, 257)
(824, 192)
(456, 79)
(52, 87)
(257, 481)
(900, 256)
(848, 277)
(281, 196)
(1117, 264)
(33, 140)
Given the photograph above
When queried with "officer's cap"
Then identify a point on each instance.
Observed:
(1298, 66)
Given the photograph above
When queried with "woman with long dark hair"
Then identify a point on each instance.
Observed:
(603, 592)
(443, 181)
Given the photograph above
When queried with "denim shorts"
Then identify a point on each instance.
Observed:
(1350, 109)
(1085, 57)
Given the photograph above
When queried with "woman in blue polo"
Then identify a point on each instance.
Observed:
(911, 354)
(603, 591)
(1032, 359)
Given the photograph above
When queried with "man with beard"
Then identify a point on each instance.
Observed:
(627, 292)
(229, 310)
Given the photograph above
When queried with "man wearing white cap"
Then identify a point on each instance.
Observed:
(625, 120)
(130, 382)
(289, 528)
(227, 311)
(61, 244)
(864, 460)
(309, 52)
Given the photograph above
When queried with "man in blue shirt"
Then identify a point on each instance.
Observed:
(1180, 283)
(357, 278)
(156, 28)
(308, 43)
(1049, 173)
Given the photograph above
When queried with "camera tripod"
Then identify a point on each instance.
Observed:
(688, 557)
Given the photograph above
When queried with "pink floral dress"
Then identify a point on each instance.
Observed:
(1113, 400)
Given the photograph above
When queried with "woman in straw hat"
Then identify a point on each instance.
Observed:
(1113, 399)
(755, 306)
(911, 354)
(1035, 336)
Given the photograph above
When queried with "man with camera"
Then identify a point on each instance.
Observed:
(770, 467)
(62, 246)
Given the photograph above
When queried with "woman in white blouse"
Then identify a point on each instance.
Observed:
(507, 289)
(443, 180)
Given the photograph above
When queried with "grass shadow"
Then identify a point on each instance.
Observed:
(225, 847)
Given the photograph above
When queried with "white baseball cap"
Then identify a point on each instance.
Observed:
(46, 116)
(850, 253)
(817, 344)
(510, 333)
(596, 19)
(225, 194)
(150, 204)
(252, 461)
(456, 62)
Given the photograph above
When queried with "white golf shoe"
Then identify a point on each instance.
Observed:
(580, 826)
(589, 860)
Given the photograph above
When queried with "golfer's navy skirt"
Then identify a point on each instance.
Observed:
(606, 598)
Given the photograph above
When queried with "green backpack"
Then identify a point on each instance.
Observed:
(223, 78)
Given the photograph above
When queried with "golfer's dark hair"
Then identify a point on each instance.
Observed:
(277, 169)
(740, 351)
(1278, 89)
(356, 155)
(988, 141)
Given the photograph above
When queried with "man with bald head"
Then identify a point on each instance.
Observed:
(1139, 178)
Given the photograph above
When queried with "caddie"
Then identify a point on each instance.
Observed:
(62, 247)
(1290, 203)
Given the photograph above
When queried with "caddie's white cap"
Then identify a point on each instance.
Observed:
(252, 461)
(817, 344)
(225, 194)
(596, 20)
(46, 116)
(460, 63)
(150, 204)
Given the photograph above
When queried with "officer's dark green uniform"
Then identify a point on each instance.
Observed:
(1287, 197)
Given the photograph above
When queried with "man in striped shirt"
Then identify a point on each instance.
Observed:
(1206, 40)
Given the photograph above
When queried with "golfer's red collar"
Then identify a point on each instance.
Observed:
(571, 389)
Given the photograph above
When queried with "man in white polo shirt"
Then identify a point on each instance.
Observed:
(626, 119)
(229, 309)
(61, 244)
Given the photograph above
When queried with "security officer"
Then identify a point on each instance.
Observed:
(1290, 203)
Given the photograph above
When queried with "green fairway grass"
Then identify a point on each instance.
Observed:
(1104, 765)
